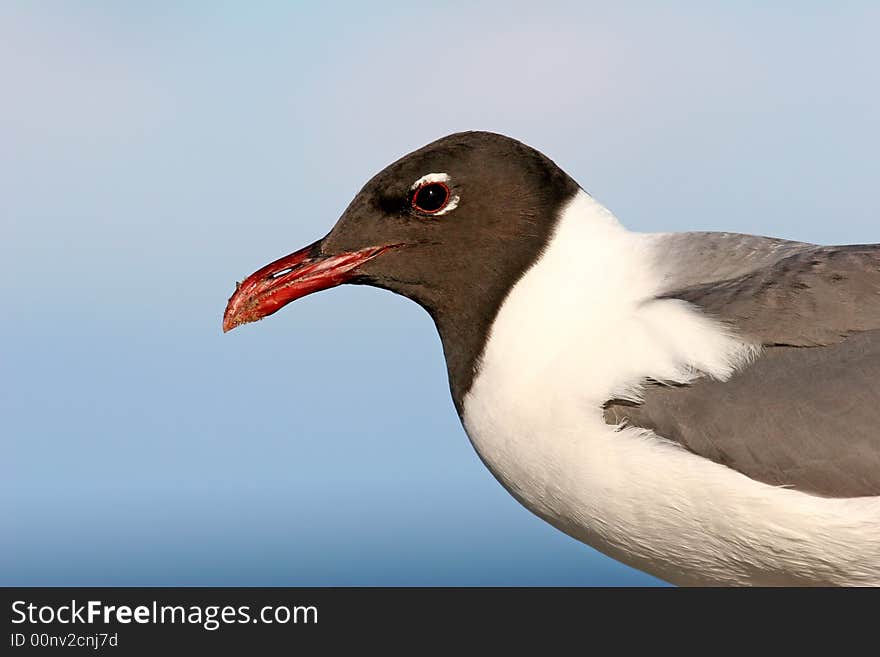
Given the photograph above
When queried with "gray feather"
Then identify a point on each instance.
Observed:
(806, 414)
(814, 296)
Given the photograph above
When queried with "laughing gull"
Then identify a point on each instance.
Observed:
(702, 406)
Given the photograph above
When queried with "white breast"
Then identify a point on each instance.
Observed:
(580, 328)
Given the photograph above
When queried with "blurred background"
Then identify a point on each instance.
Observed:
(151, 154)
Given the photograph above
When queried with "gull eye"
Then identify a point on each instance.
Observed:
(431, 197)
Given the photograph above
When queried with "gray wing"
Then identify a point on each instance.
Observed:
(816, 296)
(806, 414)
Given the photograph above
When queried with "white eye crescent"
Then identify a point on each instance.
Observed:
(432, 195)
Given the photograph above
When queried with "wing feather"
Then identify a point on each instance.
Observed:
(806, 414)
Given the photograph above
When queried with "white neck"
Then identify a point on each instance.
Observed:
(582, 326)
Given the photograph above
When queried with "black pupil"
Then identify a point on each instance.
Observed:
(431, 197)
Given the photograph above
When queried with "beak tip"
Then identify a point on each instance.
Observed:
(231, 318)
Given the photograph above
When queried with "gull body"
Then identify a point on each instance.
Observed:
(701, 406)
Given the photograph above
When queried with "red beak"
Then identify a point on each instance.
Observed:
(269, 289)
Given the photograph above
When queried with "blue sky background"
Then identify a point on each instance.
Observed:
(153, 153)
